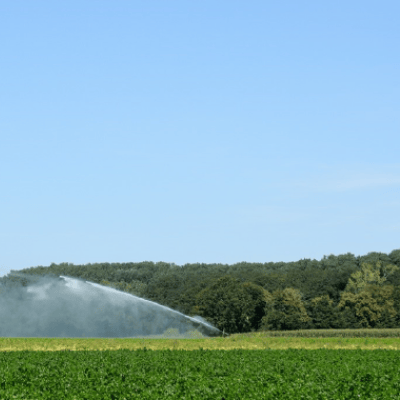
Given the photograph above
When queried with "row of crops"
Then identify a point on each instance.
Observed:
(201, 374)
(262, 365)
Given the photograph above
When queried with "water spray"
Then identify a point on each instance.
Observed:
(70, 307)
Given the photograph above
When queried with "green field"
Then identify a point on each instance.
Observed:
(267, 365)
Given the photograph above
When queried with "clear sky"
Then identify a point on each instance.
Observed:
(198, 131)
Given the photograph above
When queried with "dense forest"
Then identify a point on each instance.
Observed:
(336, 292)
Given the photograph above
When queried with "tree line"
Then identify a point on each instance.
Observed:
(339, 292)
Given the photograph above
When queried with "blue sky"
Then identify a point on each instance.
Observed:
(212, 131)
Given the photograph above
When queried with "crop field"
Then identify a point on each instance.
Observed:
(331, 365)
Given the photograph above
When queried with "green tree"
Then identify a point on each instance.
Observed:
(323, 313)
(229, 304)
(275, 280)
(396, 305)
(369, 274)
(395, 256)
(194, 285)
(285, 311)
(372, 307)
(255, 310)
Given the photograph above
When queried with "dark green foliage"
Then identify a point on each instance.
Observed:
(396, 305)
(394, 278)
(259, 299)
(285, 311)
(395, 257)
(187, 299)
(348, 319)
(314, 283)
(274, 281)
(373, 257)
(323, 313)
(229, 305)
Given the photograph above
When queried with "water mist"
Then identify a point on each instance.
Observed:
(69, 307)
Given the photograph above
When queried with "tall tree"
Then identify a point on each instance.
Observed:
(323, 313)
(372, 307)
(228, 305)
(285, 311)
(395, 257)
(369, 274)
(255, 310)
